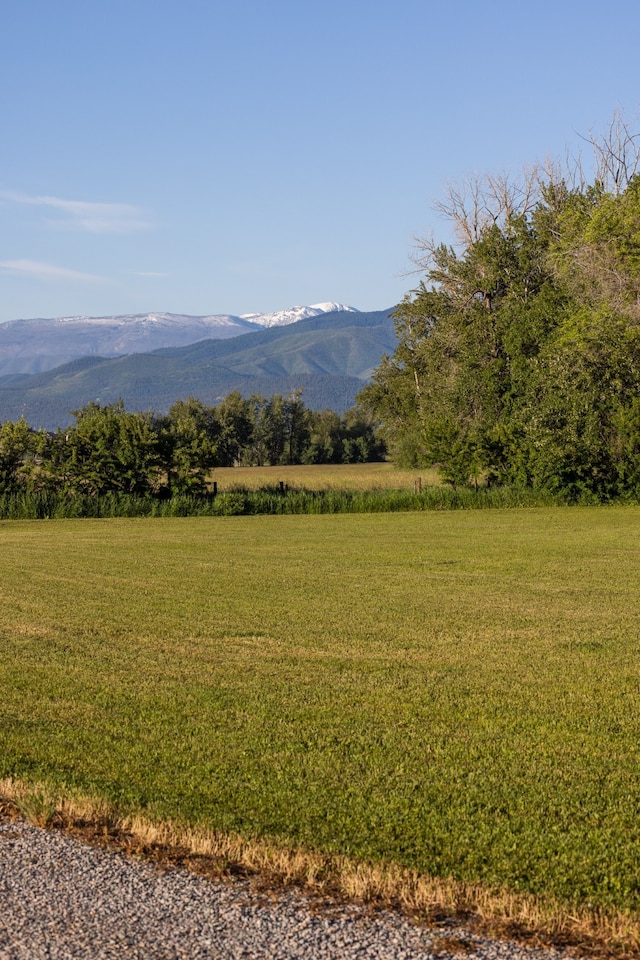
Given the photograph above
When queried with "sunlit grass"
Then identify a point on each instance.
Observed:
(456, 693)
(356, 476)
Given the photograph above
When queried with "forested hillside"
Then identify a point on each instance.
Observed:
(518, 357)
(330, 357)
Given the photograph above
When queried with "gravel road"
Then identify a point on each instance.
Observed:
(61, 899)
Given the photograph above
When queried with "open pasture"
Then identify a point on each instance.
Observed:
(457, 693)
(334, 476)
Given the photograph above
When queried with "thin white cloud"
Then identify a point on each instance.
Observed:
(146, 273)
(35, 270)
(82, 215)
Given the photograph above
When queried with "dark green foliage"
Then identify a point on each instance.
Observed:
(110, 450)
(18, 445)
(144, 456)
(519, 363)
(191, 439)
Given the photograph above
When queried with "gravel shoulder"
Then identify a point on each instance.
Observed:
(61, 899)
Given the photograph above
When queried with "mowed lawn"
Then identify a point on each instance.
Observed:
(458, 692)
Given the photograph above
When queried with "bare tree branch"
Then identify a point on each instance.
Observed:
(616, 154)
(476, 203)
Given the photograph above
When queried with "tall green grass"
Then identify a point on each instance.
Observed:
(266, 501)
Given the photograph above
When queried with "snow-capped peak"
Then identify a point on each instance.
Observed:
(137, 319)
(281, 318)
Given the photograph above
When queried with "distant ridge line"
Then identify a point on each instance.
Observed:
(43, 343)
(330, 357)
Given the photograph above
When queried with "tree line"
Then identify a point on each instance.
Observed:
(109, 449)
(518, 357)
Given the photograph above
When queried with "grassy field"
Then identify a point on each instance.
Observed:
(355, 476)
(456, 693)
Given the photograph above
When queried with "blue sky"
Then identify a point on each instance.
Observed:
(230, 157)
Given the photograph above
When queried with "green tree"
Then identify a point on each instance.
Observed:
(235, 428)
(18, 446)
(270, 430)
(108, 449)
(296, 427)
(471, 341)
(325, 437)
(191, 438)
(451, 392)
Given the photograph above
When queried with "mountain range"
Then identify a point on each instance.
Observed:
(31, 346)
(327, 353)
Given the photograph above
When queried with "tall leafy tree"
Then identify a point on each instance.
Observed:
(296, 427)
(18, 446)
(190, 442)
(518, 357)
(108, 449)
(235, 425)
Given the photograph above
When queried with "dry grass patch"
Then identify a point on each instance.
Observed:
(356, 476)
(541, 921)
